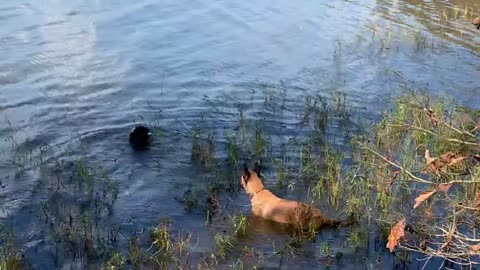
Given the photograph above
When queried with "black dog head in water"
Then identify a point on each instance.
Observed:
(140, 136)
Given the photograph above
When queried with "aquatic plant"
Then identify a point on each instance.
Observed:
(357, 239)
(423, 156)
(116, 262)
(9, 255)
(223, 243)
(412, 180)
(78, 225)
(233, 150)
(240, 223)
(203, 147)
(330, 180)
(134, 252)
(169, 252)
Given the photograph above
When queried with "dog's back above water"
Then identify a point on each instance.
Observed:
(267, 205)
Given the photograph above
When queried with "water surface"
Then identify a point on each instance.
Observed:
(83, 73)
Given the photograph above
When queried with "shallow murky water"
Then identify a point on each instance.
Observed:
(77, 75)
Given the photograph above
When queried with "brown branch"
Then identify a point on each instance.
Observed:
(455, 257)
(468, 207)
(418, 179)
(435, 134)
(441, 121)
(476, 181)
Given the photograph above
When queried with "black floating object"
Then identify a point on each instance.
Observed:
(140, 137)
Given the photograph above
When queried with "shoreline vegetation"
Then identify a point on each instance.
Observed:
(411, 181)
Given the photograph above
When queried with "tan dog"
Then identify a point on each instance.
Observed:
(268, 206)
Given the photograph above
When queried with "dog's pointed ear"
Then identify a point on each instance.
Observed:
(245, 172)
(256, 168)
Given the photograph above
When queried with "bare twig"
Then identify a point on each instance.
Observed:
(440, 121)
(418, 179)
(414, 177)
(435, 134)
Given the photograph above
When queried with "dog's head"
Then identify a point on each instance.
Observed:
(140, 137)
(250, 176)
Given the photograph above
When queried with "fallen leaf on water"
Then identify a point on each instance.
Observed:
(380, 173)
(431, 114)
(396, 233)
(446, 157)
(428, 212)
(431, 163)
(444, 187)
(422, 197)
(452, 159)
(394, 176)
(326, 261)
(423, 245)
(475, 248)
(445, 160)
(477, 199)
(428, 157)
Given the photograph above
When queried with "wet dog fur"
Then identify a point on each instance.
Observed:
(267, 205)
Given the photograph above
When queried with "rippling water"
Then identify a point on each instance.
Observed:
(89, 70)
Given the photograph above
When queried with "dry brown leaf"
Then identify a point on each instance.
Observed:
(453, 159)
(431, 114)
(423, 245)
(457, 160)
(428, 212)
(447, 159)
(477, 199)
(396, 233)
(431, 163)
(428, 158)
(380, 173)
(326, 261)
(394, 176)
(444, 187)
(423, 197)
(475, 248)
(476, 157)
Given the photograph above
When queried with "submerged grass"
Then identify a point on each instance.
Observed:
(395, 164)
(9, 255)
(240, 225)
(203, 147)
(169, 251)
(377, 185)
(116, 262)
(223, 244)
(82, 197)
